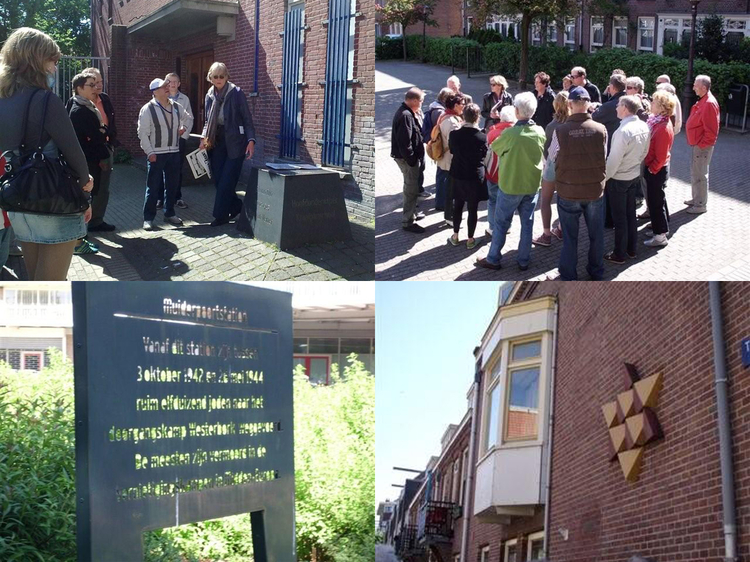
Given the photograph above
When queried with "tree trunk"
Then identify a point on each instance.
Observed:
(403, 39)
(543, 34)
(424, 41)
(525, 25)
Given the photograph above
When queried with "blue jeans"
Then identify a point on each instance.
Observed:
(441, 187)
(505, 207)
(570, 214)
(163, 177)
(226, 172)
(492, 189)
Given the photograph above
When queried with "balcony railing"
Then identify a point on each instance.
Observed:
(407, 545)
(50, 315)
(435, 522)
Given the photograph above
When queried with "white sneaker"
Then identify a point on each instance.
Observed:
(175, 220)
(148, 225)
(657, 240)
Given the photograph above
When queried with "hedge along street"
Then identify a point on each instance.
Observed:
(504, 58)
(706, 247)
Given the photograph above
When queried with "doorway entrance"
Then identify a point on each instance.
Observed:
(195, 86)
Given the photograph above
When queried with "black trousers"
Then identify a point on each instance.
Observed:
(465, 191)
(656, 201)
(621, 195)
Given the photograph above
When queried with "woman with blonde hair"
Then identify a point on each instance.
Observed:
(229, 137)
(657, 165)
(494, 100)
(28, 61)
(562, 112)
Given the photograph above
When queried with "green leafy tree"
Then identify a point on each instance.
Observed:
(530, 10)
(407, 12)
(66, 21)
(710, 42)
(334, 445)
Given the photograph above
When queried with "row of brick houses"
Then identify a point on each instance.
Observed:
(296, 61)
(592, 433)
(647, 25)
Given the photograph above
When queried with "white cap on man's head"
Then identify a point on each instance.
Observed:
(156, 83)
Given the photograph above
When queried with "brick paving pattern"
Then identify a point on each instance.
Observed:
(701, 247)
(197, 251)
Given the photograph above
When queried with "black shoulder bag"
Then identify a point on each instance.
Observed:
(33, 183)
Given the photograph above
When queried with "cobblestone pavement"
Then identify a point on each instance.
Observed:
(197, 251)
(712, 246)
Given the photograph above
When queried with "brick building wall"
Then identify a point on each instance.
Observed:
(673, 512)
(136, 59)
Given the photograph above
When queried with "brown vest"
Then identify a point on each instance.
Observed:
(581, 162)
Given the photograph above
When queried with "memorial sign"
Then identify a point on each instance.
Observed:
(183, 397)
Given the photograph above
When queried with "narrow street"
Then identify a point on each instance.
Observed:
(384, 553)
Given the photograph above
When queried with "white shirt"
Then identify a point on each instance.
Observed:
(184, 101)
(629, 148)
(154, 130)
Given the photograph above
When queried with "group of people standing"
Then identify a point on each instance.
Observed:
(603, 153)
(83, 131)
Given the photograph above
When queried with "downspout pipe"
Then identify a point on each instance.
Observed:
(470, 474)
(725, 429)
(550, 427)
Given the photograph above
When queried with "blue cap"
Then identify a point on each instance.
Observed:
(578, 93)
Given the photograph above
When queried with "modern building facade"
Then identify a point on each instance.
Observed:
(596, 432)
(34, 317)
(641, 26)
(306, 66)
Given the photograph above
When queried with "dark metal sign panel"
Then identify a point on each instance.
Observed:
(183, 413)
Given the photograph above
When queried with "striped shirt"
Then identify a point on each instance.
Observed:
(158, 127)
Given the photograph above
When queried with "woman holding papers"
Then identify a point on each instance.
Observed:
(229, 138)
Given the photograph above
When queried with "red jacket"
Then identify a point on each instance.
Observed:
(659, 149)
(492, 134)
(702, 127)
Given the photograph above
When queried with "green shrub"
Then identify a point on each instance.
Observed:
(122, 156)
(676, 50)
(485, 36)
(389, 48)
(37, 464)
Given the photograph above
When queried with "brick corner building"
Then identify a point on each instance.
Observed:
(306, 67)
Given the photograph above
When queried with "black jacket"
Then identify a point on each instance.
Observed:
(606, 114)
(593, 92)
(406, 136)
(109, 110)
(468, 146)
(91, 136)
(488, 102)
(238, 122)
(544, 108)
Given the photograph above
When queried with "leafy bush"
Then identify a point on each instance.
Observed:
(505, 58)
(335, 465)
(676, 50)
(389, 48)
(37, 464)
(122, 156)
(711, 38)
(485, 36)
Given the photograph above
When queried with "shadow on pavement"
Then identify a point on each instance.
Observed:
(150, 257)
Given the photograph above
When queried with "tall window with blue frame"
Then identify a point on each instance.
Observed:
(339, 82)
(292, 79)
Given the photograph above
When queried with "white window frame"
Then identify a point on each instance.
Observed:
(570, 26)
(455, 480)
(552, 33)
(532, 537)
(521, 364)
(484, 554)
(599, 23)
(492, 386)
(615, 27)
(464, 474)
(536, 34)
(506, 548)
(652, 29)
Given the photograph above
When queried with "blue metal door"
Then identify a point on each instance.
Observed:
(290, 82)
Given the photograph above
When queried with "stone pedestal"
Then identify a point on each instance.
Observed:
(294, 208)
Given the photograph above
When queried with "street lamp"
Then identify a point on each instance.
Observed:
(688, 96)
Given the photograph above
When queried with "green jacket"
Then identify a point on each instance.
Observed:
(519, 150)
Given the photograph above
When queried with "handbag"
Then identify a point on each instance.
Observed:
(36, 184)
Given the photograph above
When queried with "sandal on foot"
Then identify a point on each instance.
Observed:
(453, 241)
(471, 244)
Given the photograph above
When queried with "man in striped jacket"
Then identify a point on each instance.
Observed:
(161, 123)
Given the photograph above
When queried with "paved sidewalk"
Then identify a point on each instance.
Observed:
(197, 251)
(384, 553)
(701, 247)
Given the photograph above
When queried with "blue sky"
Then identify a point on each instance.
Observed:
(425, 334)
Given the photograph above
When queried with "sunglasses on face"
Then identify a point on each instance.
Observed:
(631, 88)
(218, 77)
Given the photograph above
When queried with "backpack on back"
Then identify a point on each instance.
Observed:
(435, 147)
(427, 124)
